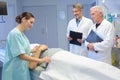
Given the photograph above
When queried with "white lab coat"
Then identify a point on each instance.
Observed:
(82, 27)
(106, 31)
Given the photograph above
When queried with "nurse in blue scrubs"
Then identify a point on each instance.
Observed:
(17, 56)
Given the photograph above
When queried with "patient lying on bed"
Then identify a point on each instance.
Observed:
(67, 66)
(37, 68)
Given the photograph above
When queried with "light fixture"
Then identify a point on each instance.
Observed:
(103, 1)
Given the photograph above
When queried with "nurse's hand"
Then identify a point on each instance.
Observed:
(69, 38)
(46, 59)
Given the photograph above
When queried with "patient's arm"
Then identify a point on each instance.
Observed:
(37, 53)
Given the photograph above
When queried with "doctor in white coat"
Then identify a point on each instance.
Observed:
(101, 51)
(78, 24)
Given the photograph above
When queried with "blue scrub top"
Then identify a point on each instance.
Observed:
(15, 68)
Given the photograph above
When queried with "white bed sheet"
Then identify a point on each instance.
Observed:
(67, 66)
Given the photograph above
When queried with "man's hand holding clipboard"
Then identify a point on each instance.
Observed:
(75, 36)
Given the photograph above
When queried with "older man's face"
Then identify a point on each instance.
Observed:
(95, 15)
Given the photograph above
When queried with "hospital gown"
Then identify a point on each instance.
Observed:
(14, 67)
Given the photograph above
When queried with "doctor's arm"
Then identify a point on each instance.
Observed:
(68, 32)
(107, 42)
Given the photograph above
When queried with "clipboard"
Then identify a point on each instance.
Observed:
(75, 35)
(93, 37)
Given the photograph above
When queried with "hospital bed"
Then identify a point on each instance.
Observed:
(2, 53)
(67, 66)
(2, 50)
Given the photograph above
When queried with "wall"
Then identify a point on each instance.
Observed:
(113, 5)
(63, 6)
(64, 14)
(6, 22)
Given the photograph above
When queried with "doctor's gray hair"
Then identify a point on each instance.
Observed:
(78, 6)
(97, 8)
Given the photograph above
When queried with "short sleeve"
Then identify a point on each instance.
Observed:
(16, 44)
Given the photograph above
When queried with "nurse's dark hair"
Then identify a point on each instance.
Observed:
(27, 16)
(78, 6)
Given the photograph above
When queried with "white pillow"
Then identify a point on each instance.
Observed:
(32, 45)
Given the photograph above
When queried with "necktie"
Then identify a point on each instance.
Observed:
(77, 21)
